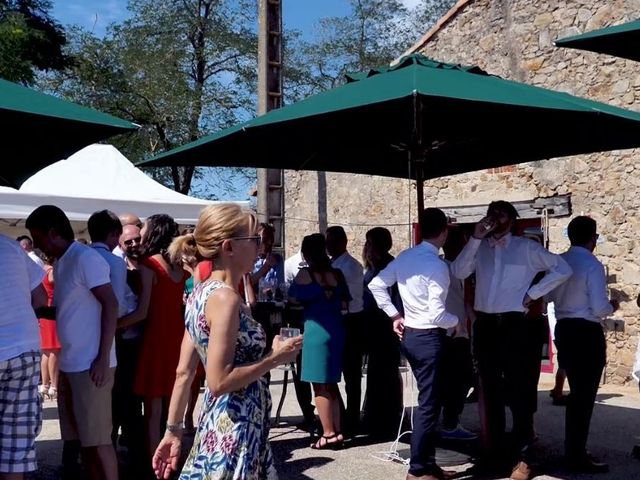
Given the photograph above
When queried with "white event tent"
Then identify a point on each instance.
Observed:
(95, 178)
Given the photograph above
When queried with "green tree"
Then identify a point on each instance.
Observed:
(427, 13)
(373, 33)
(30, 40)
(178, 68)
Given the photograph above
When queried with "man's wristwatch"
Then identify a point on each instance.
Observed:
(175, 427)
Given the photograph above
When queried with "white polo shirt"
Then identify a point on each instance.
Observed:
(19, 276)
(78, 312)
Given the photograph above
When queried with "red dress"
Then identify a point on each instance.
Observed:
(48, 334)
(164, 329)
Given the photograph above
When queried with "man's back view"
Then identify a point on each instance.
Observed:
(20, 409)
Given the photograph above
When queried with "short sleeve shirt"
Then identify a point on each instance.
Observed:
(19, 276)
(78, 312)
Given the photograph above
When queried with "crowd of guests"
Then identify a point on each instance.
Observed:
(134, 323)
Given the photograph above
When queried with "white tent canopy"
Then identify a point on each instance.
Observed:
(95, 178)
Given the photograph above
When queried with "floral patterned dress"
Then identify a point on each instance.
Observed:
(231, 442)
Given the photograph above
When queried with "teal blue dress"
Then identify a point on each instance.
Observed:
(323, 341)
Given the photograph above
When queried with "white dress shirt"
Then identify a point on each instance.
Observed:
(118, 252)
(34, 256)
(423, 282)
(292, 266)
(504, 272)
(455, 304)
(354, 275)
(584, 295)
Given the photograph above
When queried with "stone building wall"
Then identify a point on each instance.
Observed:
(514, 39)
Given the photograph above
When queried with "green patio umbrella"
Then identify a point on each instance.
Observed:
(620, 41)
(419, 119)
(39, 129)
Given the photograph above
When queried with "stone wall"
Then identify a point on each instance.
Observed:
(514, 39)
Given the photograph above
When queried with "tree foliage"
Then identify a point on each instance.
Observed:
(178, 68)
(30, 40)
(185, 68)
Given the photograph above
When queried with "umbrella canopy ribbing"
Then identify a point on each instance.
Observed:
(417, 119)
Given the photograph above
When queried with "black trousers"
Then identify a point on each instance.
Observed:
(457, 376)
(582, 354)
(352, 369)
(295, 319)
(383, 401)
(126, 406)
(423, 349)
(507, 348)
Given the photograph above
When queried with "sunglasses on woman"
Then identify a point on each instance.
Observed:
(256, 238)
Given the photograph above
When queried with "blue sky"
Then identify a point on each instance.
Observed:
(96, 15)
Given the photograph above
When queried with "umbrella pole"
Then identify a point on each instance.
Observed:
(417, 155)
(420, 188)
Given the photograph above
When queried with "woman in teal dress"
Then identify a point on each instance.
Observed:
(231, 440)
(324, 294)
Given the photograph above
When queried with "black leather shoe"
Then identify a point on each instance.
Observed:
(586, 464)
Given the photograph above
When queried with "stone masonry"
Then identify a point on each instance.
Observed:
(514, 39)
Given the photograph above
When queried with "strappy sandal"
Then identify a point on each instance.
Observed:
(43, 391)
(327, 445)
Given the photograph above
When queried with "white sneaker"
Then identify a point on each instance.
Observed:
(458, 433)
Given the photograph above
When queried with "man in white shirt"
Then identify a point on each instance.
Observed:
(423, 282)
(105, 230)
(354, 326)
(457, 365)
(580, 305)
(86, 312)
(21, 291)
(27, 245)
(292, 266)
(507, 347)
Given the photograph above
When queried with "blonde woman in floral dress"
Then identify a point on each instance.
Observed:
(231, 441)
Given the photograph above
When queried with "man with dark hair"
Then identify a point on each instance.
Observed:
(423, 282)
(457, 365)
(580, 304)
(507, 347)
(86, 312)
(353, 324)
(27, 245)
(105, 230)
(269, 265)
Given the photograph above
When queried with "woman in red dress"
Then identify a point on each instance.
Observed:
(50, 343)
(164, 327)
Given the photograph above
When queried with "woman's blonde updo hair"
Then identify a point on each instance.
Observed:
(216, 224)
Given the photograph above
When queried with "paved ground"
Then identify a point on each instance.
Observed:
(615, 429)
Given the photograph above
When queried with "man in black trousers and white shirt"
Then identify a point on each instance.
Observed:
(507, 347)
(581, 303)
(423, 282)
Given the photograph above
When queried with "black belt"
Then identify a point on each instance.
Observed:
(435, 329)
(500, 315)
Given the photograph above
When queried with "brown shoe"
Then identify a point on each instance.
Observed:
(522, 471)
